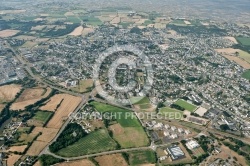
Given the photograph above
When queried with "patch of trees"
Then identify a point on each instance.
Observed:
(136, 30)
(175, 78)
(71, 134)
(195, 114)
(224, 127)
(46, 160)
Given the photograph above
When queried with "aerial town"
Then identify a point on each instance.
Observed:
(123, 85)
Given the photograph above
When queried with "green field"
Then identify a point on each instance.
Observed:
(246, 74)
(42, 116)
(125, 117)
(178, 23)
(91, 20)
(245, 55)
(73, 19)
(97, 141)
(132, 134)
(147, 22)
(186, 105)
(166, 110)
(144, 100)
(142, 157)
(244, 40)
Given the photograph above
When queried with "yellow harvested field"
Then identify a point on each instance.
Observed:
(231, 39)
(77, 31)
(31, 93)
(28, 97)
(12, 159)
(84, 162)
(36, 148)
(111, 160)
(68, 105)
(230, 53)
(8, 92)
(8, 33)
(17, 148)
(115, 20)
(38, 163)
(87, 31)
(47, 133)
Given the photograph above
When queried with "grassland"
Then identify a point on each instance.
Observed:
(128, 131)
(246, 74)
(244, 40)
(97, 141)
(144, 100)
(91, 20)
(167, 110)
(42, 116)
(83, 86)
(245, 55)
(186, 105)
(142, 157)
(125, 117)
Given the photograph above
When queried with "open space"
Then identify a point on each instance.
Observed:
(8, 92)
(8, 33)
(68, 105)
(244, 40)
(36, 148)
(83, 85)
(97, 141)
(142, 157)
(246, 74)
(187, 106)
(47, 133)
(30, 96)
(111, 160)
(40, 118)
(83, 162)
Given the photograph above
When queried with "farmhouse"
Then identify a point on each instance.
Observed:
(175, 152)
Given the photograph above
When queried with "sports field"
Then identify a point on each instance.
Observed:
(186, 105)
(97, 141)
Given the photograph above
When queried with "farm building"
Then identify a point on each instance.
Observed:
(175, 152)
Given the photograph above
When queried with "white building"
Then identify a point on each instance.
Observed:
(192, 144)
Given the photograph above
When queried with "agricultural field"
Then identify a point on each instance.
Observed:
(40, 118)
(91, 20)
(77, 31)
(83, 162)
(8, 92)
(84, 86)
(142, 157)
(244, 55)
(111, 160)
(47, 133)
(17, 148)
(96, 141)
(244, 40)
(12, 159)
(1, 107)
(25, 138)
(66, 104)
(30, 96)
(36, 148)
(178, 23)
(186, 105)
(246, 74)
(8, 33)
(127, 131)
